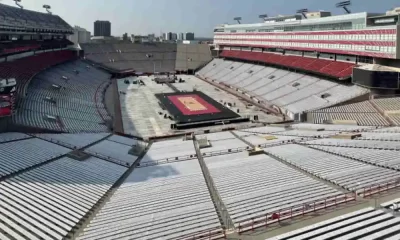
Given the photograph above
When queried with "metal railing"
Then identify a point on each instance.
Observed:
(212, 234)
(379, 187)
(263, 220)
(226, 151)
(167, 160)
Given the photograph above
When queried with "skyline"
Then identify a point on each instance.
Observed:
(142, 17)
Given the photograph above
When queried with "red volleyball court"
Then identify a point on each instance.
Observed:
(192, 104)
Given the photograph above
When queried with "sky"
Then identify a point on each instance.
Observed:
(198, 16)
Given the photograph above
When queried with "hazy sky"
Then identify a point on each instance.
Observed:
(199, 16)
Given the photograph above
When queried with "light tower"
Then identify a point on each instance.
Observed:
(47, 7)
(344, 5)
(263, 16)
(303, 12)
(17, 2)
(238, 19)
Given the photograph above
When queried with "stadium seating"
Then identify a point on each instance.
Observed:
(21, 18)
(322, 66)
(365, 224)
(47, 202)
(191, 56)
(25, 68)
(345, 172)
(169, 201)
(77, 103)
(295, 92)
(252, 186)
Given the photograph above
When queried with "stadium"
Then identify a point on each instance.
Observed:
(284, 129)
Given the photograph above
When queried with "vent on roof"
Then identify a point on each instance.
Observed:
(325, 95)
(296, 84)
(271, 77)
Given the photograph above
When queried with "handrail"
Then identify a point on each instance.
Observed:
(293, 211)
(379, 187)
(210, 233)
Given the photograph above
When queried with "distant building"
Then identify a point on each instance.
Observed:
(125, 37)
(168, 36)
(181, 36)
(174, 37)
(80, 35)
(152, 37)
(189, 36)
(102, 28)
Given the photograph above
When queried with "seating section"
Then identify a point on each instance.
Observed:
(25, 153)
(74, 101)
(12, 136)
(252, 186)
(169, 201)
(167, 151)
(20, 46)
(73, 140)
(192, 56)
(348, 173)
(371, 144)
(148, 58)
(222, 145)
(322, 66)
(25, 19)
(364, 224)
(24, 69)
(294, 92)
(48, 202)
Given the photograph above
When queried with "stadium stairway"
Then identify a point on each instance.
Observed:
(223, 215)
(242, 139)
(81, 225)
(392, 123)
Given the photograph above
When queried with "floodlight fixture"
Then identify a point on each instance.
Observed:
(17, 2)
(238, 19)
(344, 5)
(303, 12)
(47, 7)
(263, 16)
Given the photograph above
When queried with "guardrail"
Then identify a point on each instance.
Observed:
(264, 220)
(379, 187)
(167, 160)
(225, 151)
(211, 234)
(108, 158)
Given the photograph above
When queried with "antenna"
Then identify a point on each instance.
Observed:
(17, 2)
(47, 7)
(263, 16)
(238, 19)
(344, 5)
(303, 12)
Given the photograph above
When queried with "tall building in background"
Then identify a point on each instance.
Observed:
(174, 37)
(189, 36)
(102, 28)
(80, 35)
(168, 36)
(181, 36)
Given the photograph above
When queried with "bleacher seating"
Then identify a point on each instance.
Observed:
(191, 56)
(252, 186)
(19, 155)
(169, 201)
(294, 92)
(364, 224)
(49, 201)
(322, 66)
(25, 68)
(345, 172)
(77, 104)
(72, 140)
(139, 57)
(371, 144)
(12, 136)
(25, 19)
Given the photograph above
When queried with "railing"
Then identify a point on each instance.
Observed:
(167, 160)
(108, 158)
(264, 220)
(226, 151)
(212, 234)
(379, 187)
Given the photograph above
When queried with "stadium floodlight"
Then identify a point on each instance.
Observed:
(47, 7)
(344, 5)
(303, 12)
(17, 2)
(263, 16)
(238, 19)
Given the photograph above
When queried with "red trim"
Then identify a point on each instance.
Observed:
(345, 52)
(366, 43)
(208, 108)
(333, 32)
